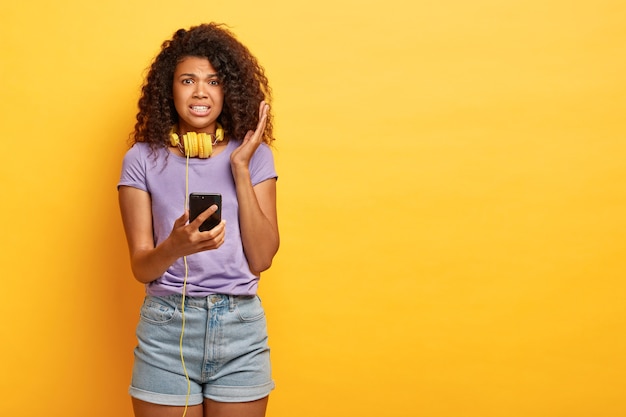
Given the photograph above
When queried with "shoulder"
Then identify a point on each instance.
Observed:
(264, 153)
(134, 166)
(141, 153)
(140, 157)
(138, 150)
(262, 165)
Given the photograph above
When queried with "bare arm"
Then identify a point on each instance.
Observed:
(257, 205)
(258, 222)
(149, 262)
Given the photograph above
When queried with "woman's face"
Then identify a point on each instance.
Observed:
(198, 95)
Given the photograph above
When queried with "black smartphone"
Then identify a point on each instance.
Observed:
(199, 202)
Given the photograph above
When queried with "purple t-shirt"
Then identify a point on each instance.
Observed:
(221, 271)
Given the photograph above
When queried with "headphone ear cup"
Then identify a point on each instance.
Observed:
(191, 144)
(174, 140)
(186, 143)
(219, 133)
(205, 147)
(200, 137)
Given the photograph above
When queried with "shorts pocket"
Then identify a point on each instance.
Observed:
(250, 309)
(157, 310)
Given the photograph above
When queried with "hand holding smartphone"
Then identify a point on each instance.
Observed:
(199, 202)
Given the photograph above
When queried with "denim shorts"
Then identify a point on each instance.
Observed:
(225, 350)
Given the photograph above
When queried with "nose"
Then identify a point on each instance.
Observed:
(199, 91)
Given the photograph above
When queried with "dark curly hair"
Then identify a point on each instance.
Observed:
(242, 78)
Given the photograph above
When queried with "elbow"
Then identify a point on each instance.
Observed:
(262, 263)
(141, 276)
(259, 266)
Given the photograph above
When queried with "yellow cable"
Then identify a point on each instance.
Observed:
(182, 330)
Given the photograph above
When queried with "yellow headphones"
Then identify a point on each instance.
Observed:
(197, 144)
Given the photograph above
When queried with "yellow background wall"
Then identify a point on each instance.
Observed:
(452, 203)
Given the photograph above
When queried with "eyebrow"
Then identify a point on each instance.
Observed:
(189, 74)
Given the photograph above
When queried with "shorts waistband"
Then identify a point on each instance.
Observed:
(209, 301)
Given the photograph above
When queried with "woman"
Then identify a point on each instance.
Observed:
(202, 339)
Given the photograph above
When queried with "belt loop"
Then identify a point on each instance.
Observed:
(231, 302)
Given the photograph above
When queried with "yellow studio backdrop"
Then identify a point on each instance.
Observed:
(451, 199)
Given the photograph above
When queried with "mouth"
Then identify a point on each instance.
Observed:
(200, 110)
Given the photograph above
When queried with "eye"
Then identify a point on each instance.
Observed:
(214, 82)
(187, 81)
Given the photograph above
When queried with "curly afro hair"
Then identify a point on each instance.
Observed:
(242, 78)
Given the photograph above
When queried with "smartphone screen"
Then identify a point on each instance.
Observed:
(199, 202)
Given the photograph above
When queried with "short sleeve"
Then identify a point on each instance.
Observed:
(262, 165)
(134, 169)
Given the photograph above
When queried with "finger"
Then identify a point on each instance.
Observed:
(217, 230)
(219, 241)
(260, 127)
(263, 109)
(248, 135)
(221, 233)
(182, 220)
(215, 237)
(203, 216)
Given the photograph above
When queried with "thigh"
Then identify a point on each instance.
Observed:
(247, 409)
(146, 409)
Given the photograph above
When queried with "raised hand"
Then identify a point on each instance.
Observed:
(240, 158)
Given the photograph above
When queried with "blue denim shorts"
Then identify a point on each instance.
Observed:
(224, 348)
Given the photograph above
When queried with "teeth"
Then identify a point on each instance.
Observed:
(199, 108)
